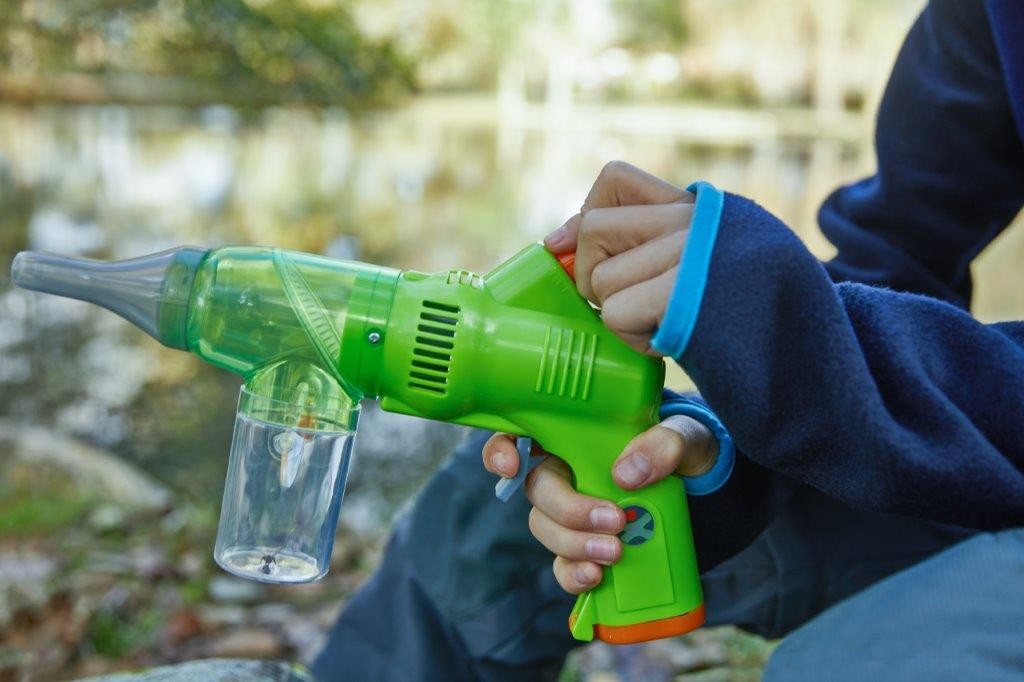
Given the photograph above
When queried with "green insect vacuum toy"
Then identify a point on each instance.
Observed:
(517, 350)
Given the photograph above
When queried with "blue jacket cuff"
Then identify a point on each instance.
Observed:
(683, 306)
(715, 478)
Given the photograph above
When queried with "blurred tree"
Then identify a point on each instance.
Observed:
(463, 45)
(243, 52)
(652, 24)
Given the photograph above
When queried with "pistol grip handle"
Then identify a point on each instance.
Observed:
(654, 590)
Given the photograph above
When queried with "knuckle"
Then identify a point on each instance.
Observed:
(613, 314)
(583, 508)
(588, 224)
(544, 492)
(532, 481)
(555, 500)
(533, 519)
(560, 569)
(678, 216)
(662, 442)
(572, 512)
(614, 169)
(554, 506)
(600, 282)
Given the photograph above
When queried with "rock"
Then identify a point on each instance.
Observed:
(216, 670)
(25, 583)
(25, 567)
(108, 517)
(305, 638)
(683, 654)
(191, 563)
(151, 562)
(97, 471)
(223, 616)
(223, 588)
(117, 598)
(248, 643)
(273, 614)
(107, 562)
(175, 521)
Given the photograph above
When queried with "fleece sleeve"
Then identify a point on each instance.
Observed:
(747, 496)
(883, 400)
(950, 158)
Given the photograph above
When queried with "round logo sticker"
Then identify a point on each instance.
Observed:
(639, 526)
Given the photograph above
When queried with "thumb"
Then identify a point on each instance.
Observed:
(623, 184)
(679, 445)
(563, 240)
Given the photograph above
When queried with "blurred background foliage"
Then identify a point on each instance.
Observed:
(251, 54)
(422, 135)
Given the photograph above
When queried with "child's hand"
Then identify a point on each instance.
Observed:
(628, 237)
(581, 530)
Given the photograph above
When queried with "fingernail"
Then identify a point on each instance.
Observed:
(503, 463)
(555, 239)
(634, 469)
(600, 549)
(585, 574)
(604, 518)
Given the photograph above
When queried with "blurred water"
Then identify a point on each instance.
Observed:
(426, 187)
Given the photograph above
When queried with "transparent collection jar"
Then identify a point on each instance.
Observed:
(286, 476)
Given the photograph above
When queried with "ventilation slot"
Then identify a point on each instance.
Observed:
(433, 346)
(441, 306)
(465, 278)
(566, 365)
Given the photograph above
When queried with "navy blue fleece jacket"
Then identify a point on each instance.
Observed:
(866, 378)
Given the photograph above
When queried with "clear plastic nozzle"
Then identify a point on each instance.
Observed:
(151, 292)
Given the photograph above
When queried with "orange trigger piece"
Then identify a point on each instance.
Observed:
(568, 263)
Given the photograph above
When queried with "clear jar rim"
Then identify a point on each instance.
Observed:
(293, 409)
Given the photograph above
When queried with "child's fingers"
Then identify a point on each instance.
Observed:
(549, 488)
(618, 184)
(576, 576)
(680, 445)
(636, 265)
(623, 184)
(700, 447)
(573, 544)
(563, 240)
(607, 232)
(635, 312)
(500, 455)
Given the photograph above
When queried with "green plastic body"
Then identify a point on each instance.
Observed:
(516, 351)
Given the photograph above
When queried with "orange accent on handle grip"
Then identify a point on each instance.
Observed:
(652, 629)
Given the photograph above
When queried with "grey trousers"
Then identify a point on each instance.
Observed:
(465, 592)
